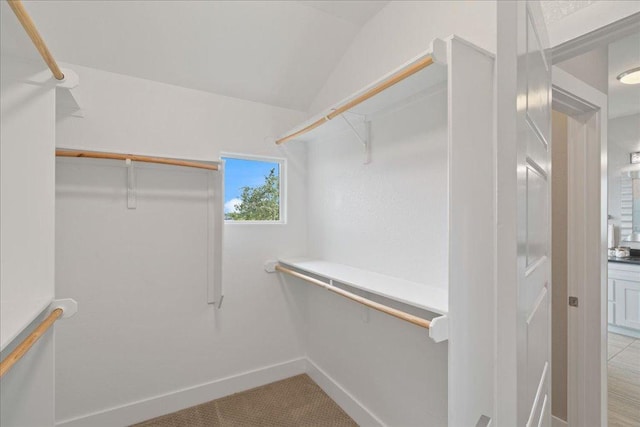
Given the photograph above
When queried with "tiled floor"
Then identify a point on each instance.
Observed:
(624, 381)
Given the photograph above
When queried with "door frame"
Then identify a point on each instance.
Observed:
(587, 248)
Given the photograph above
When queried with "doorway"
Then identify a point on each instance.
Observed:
(595, 373)
(579, 214)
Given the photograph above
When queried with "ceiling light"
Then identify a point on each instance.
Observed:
(630, 77)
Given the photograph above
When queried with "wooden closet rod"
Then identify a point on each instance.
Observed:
(28, 342)
(396, 78)
(357, 298)
(30, 27)
(136, 158)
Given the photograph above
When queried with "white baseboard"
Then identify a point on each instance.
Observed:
(164, 404)
(356, 410)
(634, 333)
(557, 422)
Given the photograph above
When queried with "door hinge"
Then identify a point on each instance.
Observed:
(573, 301)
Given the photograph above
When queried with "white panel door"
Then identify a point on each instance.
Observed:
(523, 100)
(533, 225)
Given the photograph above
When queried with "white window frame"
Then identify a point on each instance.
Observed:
(282, 162)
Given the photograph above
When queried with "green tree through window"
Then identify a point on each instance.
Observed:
(261, 203)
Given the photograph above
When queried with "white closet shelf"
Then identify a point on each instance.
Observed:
(418, 77)
(427, 297)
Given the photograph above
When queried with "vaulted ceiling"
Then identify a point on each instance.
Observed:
(275, 52)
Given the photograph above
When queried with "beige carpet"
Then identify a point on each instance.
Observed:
(295, 402)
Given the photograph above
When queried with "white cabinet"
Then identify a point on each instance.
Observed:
(624, 295)
(611, 300)
(611, 312)
(627, 312)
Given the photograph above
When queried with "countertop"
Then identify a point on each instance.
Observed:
(628, 260)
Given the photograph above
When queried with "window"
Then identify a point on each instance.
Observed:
(253, 189)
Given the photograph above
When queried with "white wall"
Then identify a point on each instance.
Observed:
(27, 390)
(397, 204)
(389, 216)
(27, 139)
(400, 32)
(591, 67)
(143, 328)
(27, 197)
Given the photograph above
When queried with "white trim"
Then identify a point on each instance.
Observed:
(590, 19)
(146, 409)
(164, 404)
(587, 256)
(557, 422)
(620, 330)
(356, 410)
(595, 39)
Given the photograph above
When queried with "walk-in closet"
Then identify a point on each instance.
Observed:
(271, 213)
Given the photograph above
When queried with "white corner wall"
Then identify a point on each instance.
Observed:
(144, 341)
(591, 67)
(27, 140)
(389, 216)
(401, 31)
(26, 195)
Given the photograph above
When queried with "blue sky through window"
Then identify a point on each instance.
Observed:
(239, 173)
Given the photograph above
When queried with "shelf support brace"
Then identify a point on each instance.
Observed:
(439, 330)
(365, 138)
(131, 185)
(69, 307)
(366, 311)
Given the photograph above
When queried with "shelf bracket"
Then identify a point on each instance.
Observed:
(439, 329)
(270, 266)
(131, 185)
(439, 51)
(363, 137)
(69, 307)
(366, 311)
(70, 80)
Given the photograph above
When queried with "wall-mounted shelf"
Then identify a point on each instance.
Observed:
(419, 76)
(430, 298)
(419, 295)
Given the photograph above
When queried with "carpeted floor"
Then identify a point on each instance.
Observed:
(294, 402)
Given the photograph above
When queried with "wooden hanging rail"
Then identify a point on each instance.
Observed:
(28, 342)
(136, 158)
(30, 27)
(392, 80)
(357, 298)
